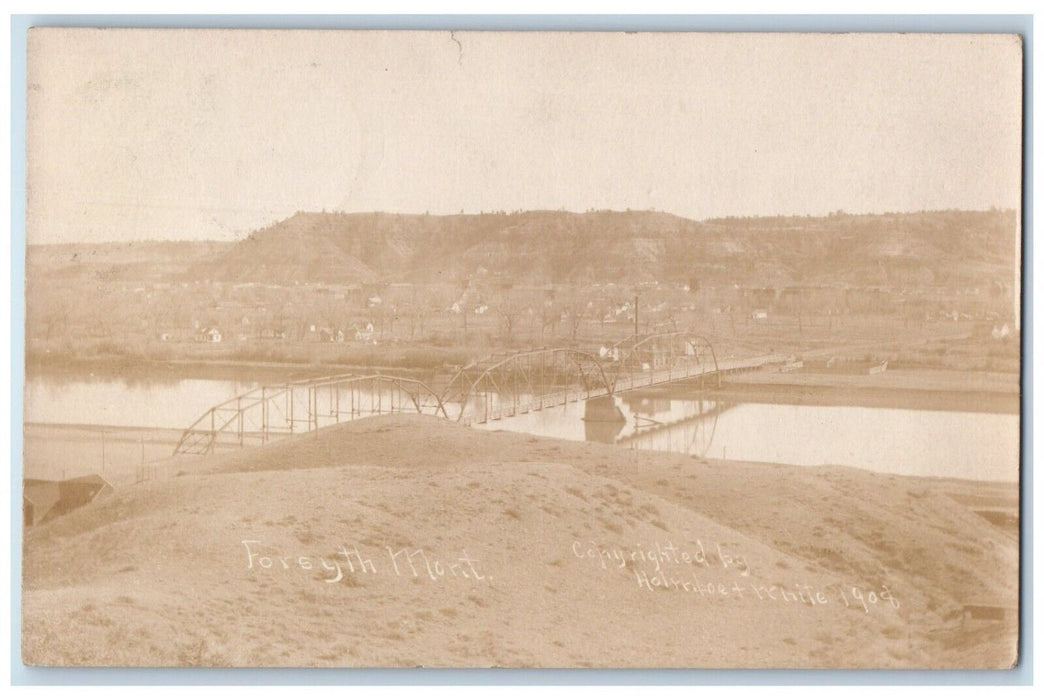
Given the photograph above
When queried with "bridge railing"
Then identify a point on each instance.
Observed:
(530, 380)
(498, 387)
(257, 416)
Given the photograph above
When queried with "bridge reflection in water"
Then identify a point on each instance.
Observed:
(675, 426)
(645, 422)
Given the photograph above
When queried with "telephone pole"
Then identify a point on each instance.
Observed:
(636, 317)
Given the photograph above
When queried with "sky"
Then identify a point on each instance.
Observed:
(211, 134)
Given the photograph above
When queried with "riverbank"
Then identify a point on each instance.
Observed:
(918, 389)
(897, 379)
(576, 554)
(289, 357)
(115, 365)
(120, 455)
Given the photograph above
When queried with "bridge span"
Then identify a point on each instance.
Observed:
(494, 388)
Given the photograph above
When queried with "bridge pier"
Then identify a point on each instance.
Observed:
(603, 409)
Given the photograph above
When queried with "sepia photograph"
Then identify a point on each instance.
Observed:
(505, 349)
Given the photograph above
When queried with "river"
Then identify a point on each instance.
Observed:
(909, 441)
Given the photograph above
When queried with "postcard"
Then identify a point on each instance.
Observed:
(522, 349)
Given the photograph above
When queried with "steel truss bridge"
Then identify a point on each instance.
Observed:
(497, 387)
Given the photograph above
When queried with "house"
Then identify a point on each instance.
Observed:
(365, 333)
(759, 314)
(209, 335)
(331, 335)
(273, 334)
(43, 500)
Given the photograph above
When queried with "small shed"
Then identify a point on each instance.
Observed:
(210, 335)
(43, 500)
(38, 498)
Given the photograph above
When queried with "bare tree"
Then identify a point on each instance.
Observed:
(577, 307)
(511, 305)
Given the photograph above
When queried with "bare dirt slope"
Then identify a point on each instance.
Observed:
(410, 541)
(960, 248)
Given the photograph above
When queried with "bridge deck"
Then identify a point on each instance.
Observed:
(270, 412)
(624, 384)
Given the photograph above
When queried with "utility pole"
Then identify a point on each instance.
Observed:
(636, 317)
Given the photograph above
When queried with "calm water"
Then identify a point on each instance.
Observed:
(915, 442)
(108, 400)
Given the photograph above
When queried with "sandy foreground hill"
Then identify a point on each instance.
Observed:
(409, 541)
